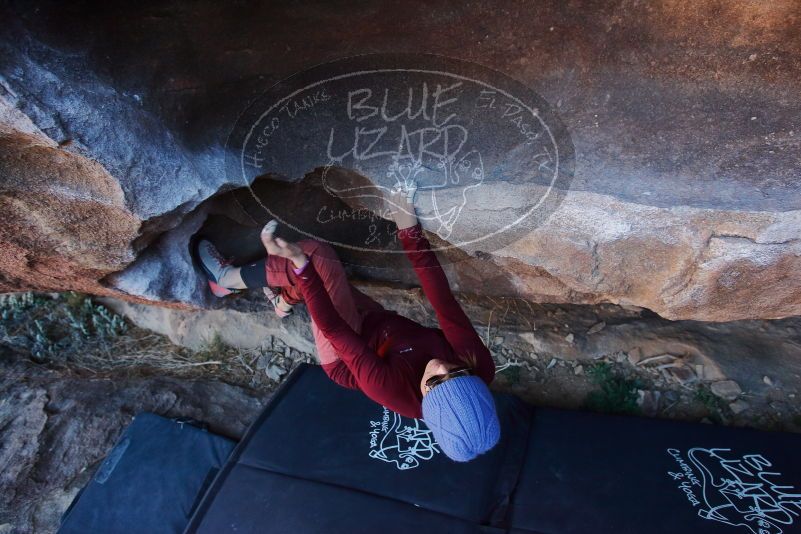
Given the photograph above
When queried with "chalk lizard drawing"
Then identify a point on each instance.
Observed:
(463, 170)
(405, 444)
(741, 492)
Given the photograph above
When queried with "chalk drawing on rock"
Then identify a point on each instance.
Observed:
(471, 140)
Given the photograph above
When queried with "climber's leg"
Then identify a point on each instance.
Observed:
(280, 273)
(254, 275)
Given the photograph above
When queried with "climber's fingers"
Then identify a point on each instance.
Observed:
(401, 197)
(288, 250)
(411, 191)
(275, 245)
(399, 203)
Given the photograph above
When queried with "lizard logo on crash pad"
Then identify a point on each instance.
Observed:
(401, 441)
(745, 491)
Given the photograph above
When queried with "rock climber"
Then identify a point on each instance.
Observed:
(440, 374)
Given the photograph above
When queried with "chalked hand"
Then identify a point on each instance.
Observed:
(399, 203)
(279, 247)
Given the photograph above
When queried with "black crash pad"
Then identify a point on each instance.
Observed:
(609, 474)
(151, 481)
(321, 458)
(358, 464)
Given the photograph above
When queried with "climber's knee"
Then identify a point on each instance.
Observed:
(312, 247)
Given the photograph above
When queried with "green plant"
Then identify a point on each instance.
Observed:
(212, 348)
(57, 327)
(74, 301)
(714, 404)
(616, 393)
(87, 319)
(15, 306)
(71, 330)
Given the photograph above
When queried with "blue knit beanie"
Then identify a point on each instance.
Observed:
(461, 414)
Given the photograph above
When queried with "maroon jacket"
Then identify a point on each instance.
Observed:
(388, 359)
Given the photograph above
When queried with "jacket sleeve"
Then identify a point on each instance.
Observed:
(452, 320)
(370, 373)
(338, 372)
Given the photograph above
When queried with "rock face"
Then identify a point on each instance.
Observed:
(65, 222)
(743, 352)
(686, 197)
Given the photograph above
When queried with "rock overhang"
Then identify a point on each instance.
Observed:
(685, 192)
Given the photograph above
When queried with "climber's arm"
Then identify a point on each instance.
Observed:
(452, 320)
(454, 323)
(339, 372)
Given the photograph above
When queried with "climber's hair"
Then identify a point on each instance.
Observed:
(469, 359)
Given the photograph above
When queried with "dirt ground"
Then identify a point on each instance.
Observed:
(74, 373)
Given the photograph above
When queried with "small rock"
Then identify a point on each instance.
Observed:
(658, 359)
(579, 370)
(666, 378)
(262, 361)
(778, 406)
(648, 401)
(597, 327)
(551, 363)
(621, 357)
(766, 379)
(739, 406)
(634, 355)
(726, 389)
(672, 397)
(699, 371)
(497, 340)
(569, 338)
(681, 374)
(791, 395)
(274, 372)
(707, 421)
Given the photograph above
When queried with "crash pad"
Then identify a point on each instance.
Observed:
(322, 458)
(151, 481)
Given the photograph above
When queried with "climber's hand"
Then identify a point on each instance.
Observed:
(399, 202)
(278, 247)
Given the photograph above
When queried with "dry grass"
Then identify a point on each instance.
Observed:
(69, 330)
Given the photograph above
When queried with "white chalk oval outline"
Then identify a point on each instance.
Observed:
(380, 71)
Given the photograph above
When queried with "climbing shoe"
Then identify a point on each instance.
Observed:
(282, 309)
(215, 266)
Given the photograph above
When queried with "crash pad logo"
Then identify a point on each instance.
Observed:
(742, 491)
(401, 441)
(489, 159)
